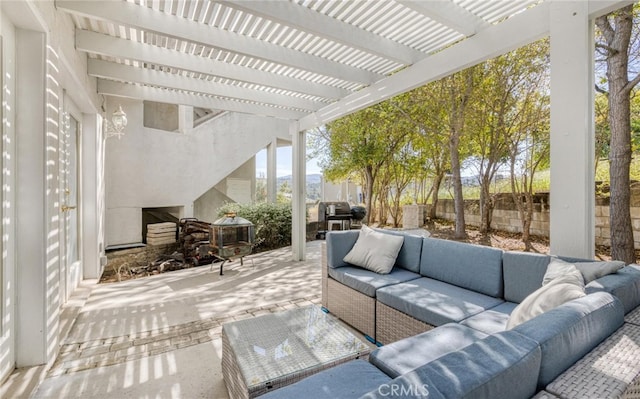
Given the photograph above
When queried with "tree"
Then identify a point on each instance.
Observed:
(400, 170)
(616, 29)
(425, 109)
(459, 88)
(495, 114)
(529, 151)
(363, 142)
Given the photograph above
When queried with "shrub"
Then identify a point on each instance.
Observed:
(272, 222)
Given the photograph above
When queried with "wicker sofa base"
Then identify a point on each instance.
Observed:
(611, 370)
(393, 325)
(352, 307)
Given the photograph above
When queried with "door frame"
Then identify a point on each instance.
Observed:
(70, 272)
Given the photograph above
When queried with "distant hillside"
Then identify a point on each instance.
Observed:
(314, 183)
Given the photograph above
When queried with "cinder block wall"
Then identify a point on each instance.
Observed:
(506, 216)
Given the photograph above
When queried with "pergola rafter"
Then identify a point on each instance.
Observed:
(313, 61)
(151, 77)
(147, 19)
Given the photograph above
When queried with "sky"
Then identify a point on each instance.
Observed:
(284, 163)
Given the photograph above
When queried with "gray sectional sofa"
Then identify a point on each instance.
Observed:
(442, 314)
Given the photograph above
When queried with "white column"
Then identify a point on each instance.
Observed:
(272, 171)
(572, 199)
(185, 118)
(186, 211)
(31, 199)
(299, 212)
(91, 198)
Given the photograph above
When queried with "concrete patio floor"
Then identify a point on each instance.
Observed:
(159, 336)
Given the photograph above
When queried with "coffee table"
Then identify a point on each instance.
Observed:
(270, 351)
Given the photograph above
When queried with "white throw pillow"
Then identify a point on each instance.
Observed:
(375, 251)
(557, 268)
(594, 270)
(561, 289)
(590, 270)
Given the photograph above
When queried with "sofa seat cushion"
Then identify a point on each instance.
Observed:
(566, 333)
(407, 354)
(477, 268)
(493, 320)
(348, 380)
(435, 302)
(624, 284)
(504, 365)
(366, 281)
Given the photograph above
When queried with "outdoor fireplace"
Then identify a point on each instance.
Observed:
(231, 237)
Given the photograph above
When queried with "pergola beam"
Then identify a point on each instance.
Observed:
(128, 73)
(489, 43)
(145, 18)
(448, 14)
(118, 89)
(126, 49)
(307, 20)
(498, 39)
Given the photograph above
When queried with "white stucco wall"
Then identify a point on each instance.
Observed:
(207, 205)
(40, 68)
(149, 168)
(7, 269)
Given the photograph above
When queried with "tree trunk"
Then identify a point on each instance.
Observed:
(454, 141)
(617, 38)
(486, 205)
(437, 181)
(622, 247)
(368, 194)
(526, 221)
(459, 96)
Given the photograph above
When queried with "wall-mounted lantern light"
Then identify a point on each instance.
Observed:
(118, 122)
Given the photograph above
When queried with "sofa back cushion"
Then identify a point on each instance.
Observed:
(624, 285)
(523, 273)
(469, 266)
(568, 332)
(339, 243)
(409, 255)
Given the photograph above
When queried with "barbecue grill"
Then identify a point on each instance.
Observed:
(331, 212)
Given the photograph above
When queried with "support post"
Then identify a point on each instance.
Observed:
(38, 274)
(92, 172)
(572, 201)
(272, 171)
(299, 211)
(185, 118)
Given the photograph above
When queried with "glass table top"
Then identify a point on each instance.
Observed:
(273, 346)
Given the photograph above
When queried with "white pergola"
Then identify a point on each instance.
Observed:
(313, 61)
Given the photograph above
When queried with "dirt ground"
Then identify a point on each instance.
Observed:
(500, 239)
(445, 230)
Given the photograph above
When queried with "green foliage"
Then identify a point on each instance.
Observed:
(272, 222)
